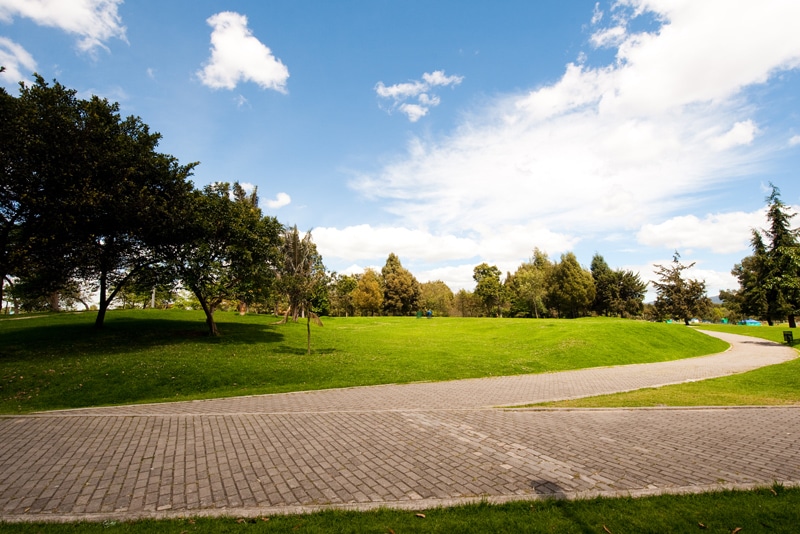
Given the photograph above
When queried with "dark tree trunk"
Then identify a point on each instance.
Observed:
(792, 322)
(101, 311)
(208, 309)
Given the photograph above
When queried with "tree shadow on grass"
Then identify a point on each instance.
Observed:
(286, 349)
(43, 340)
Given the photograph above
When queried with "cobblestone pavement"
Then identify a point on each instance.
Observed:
(406, 446)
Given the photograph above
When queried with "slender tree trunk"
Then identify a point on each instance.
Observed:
(308, 328)
(792, 322)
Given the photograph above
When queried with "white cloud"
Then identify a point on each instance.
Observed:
(722, 233)
(414, 111)
(237, 56)
(281, 200)
(609, 36)
(605, 149)
(794, 140)
(417, 89)
(742, 133)
(364, 242)
(15, 58)
(93, 21)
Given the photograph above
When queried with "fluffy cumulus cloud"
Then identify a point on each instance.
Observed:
(605, 149)
(281, 200)
(722, 233)
(93, 21)
(416, 98)
(237, 56)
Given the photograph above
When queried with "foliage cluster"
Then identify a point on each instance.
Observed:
(88, 206)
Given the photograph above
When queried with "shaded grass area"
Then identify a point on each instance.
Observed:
(60, 361)
(775, 509)
(775, 385)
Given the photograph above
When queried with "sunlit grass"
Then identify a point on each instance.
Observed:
(775, 385)
(60, 361)
(774, 509)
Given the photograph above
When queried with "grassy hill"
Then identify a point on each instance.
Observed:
(60, 361)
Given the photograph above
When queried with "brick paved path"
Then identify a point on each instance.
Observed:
(414, 446)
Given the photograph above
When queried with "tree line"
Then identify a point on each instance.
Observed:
(89, 206)
(538, 288)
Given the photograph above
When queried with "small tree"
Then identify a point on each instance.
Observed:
(677, 297)
(302, 277)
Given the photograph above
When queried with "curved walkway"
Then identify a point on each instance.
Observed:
(413, 446)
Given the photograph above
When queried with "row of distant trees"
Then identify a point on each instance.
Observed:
(538, 288)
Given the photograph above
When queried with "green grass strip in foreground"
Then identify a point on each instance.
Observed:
(60, 361)
(775, 385)
(775, 509)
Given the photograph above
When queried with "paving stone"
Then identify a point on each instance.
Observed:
(413, 445)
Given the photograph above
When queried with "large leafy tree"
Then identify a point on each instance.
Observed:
(437, 297)
(228, 253)
(527, 287)
(343, 287)
(368, 295)
(86, 195)
(488, 289)
(678, 297)
(571, 287)
(617, 292)
(400, 288)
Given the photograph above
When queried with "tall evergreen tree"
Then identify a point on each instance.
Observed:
(782, 281)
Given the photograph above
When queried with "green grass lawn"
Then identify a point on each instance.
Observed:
(775, 509)
(769, 386)
(60, 361)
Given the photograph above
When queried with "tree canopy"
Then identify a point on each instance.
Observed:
(679, 298)
(86, 195)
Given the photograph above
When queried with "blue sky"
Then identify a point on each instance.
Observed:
(457, 132)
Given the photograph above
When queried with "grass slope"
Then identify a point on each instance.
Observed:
(774, 385)
(60, 361)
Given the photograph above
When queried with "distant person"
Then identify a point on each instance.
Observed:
(429, 314)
